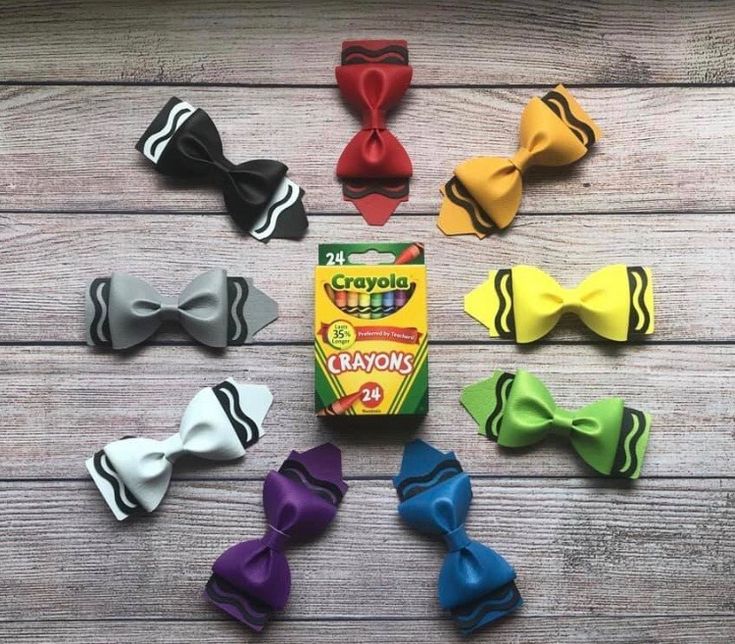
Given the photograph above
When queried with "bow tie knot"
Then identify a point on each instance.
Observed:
(173, 448)
(169, 308)
(456, 539)
(522, 159)
(562, 421)
(373, 119)
(275, 539)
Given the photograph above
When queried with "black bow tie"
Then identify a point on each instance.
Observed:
(182, 141)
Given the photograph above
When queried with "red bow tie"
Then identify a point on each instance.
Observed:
(374, 167)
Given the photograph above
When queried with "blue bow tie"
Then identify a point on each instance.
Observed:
(475, 583)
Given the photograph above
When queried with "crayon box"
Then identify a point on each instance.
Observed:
(370, 330)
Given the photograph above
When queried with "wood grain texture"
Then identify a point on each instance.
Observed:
(693, 270)
(62, 404)
(525, 42)
(71, 148)
(520, 629)
(581, 548)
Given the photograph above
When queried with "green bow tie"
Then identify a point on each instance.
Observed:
(518, 410)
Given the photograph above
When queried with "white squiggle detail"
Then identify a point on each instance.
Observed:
(266, 224)
(167, 131)
(236, 412)
(103, 316)
(233, 311)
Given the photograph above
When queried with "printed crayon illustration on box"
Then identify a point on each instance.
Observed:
(370, 330)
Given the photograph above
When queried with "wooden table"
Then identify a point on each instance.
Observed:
(597, 560)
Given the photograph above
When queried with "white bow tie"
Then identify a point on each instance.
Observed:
(219, 424)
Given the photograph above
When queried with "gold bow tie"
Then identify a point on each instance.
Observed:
(523, 303)
(485, 192)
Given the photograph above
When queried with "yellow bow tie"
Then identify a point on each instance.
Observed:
(523, 303)
(485, 192)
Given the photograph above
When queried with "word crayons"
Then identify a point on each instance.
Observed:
(370, 330)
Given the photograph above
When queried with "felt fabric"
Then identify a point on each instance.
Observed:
(183, 142)
(518, 411)
(485, 192)
(374, 167)
(253, 578)
(219, 424)
(214, 309)
(524, 303)
(475, 583)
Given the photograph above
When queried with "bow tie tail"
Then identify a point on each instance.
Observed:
(487, 609)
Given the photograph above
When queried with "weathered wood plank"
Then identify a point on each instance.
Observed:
(694, 270)
(529, 630)
(72, 147)
(286, 42)
(579, 547)
(62, 404)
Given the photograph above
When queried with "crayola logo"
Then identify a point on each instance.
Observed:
(341, 282)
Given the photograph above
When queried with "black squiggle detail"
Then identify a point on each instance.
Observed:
(245, 427)
(633, 320)
(356, 55)
(460, 196)
(580, 129)
(625, 429)
(505, 304)
(98, 313)
(298, 466)
(239, 313)
(453, 467)
(222, 592)
(391, 190)
(116, 484)
(500, 601)
(504, 380)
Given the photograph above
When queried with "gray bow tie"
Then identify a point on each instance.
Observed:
(214, 309)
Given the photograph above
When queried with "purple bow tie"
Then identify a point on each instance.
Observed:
(252, 578)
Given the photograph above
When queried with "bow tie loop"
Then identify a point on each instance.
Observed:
(456, 539)
(214, 309)
(524, 303)
(517, 410)
(522, 159)
(300, 500)
(183, 142)
(374, 166)
(485, 192)
(218, 424)
(475, 583)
